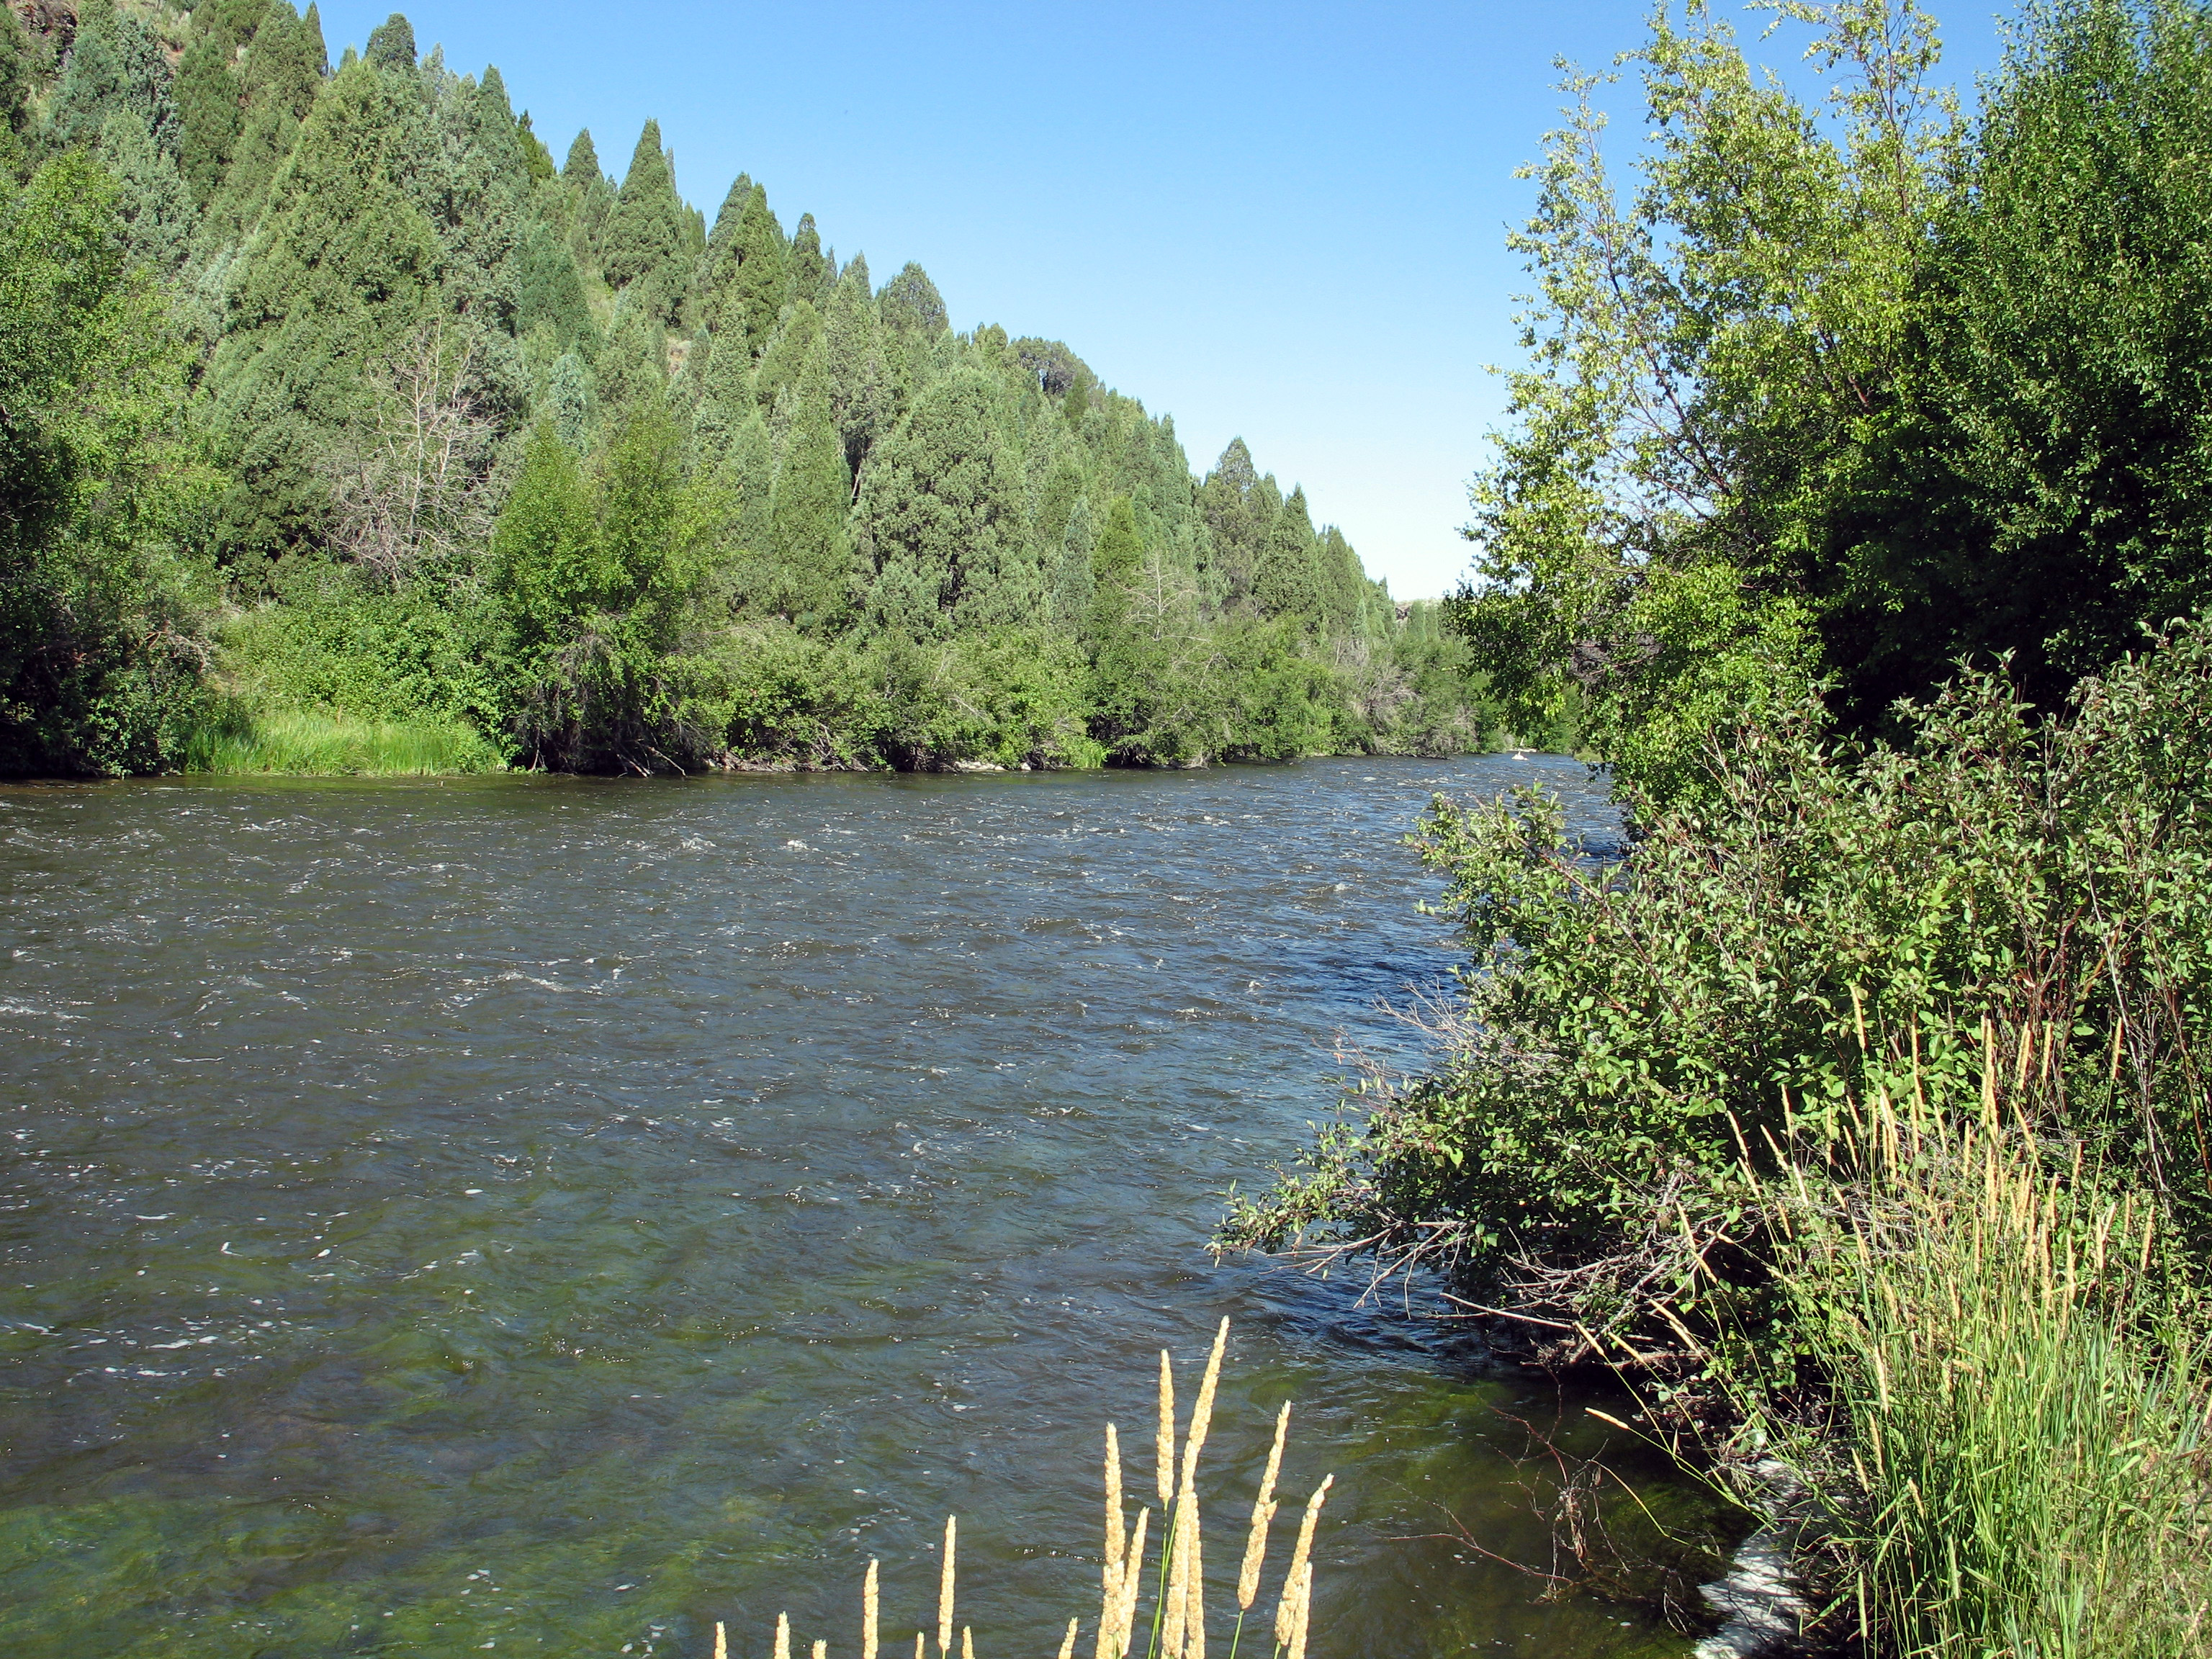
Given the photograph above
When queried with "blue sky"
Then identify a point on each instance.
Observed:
(1284, 221)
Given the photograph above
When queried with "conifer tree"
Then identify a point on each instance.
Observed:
(153, 206)
(811, 273)
(549, 291)
(346, 270)
(863, 391)
(391, 44)
(632, 366)
(762, 279)
(911, 304)
(645, 237)
(1287, 583)
(1073, 582)
(591, 198)
(748, 469)
(811, 498)
(721, 254)
(116, 65)
(568, 401)
(788, 349)
(15, 78)
(725, 397)
(940, 516)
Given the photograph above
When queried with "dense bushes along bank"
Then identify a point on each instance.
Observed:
(1855, 1109)
(332, 399)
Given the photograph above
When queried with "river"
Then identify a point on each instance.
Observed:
(550, 1215)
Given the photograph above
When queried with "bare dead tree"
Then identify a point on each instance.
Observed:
(408, 482)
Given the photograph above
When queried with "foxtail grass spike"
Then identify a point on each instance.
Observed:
(721, 1641)
(1263, 1517)
(783, 1636)
(1133, 1577)
(1193, 1590)
(944, 1588)
(1113, 1521)
(1167, 1436)
(821, 1649)
(1201, 1413)
(1067, 1647)
(1286, 1609)
(1173, 1608)
(967, 1643)
(871, 1608)
(1297, 1643)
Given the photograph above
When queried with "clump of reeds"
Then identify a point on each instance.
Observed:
(2013, 1459)
(1175, 1575)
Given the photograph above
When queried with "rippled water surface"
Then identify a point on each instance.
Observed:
(554, 1214)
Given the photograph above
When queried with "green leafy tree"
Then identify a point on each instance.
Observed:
(95, 645)
(596, 585)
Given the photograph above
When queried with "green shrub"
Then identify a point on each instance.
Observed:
(1629, 1026)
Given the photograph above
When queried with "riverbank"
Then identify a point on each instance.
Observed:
(1853, 1115)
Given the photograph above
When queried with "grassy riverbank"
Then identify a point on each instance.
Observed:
(242, 744)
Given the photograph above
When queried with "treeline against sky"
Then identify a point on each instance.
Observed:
(351, 400)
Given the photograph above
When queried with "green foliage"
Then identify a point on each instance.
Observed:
(1825, 922)
(236, 743)
(391, 44)
(97, 637)
(940, 518)
(594, 580)
(644, 241)
(116, 65)
(762, 280)
(394, 290)
(808, 503)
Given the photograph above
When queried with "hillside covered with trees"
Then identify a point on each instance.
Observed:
(338, 407)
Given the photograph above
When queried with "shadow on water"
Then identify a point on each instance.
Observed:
(557, 1214)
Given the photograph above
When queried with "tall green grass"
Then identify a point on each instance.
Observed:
(238, 743)
(2007, 1444)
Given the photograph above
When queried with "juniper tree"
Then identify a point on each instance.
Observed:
(762, 277)
(940, 515)
(1287, 583)
(911, 303)
(644, 244)
(811, 274)
(796, 337)
(116, 65)
(347, 268)
(810, 501)
(155, 214)
(863, 390)
(391, 44)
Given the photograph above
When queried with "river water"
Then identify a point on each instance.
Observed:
(547, 1215)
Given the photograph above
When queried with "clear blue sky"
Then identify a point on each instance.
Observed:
(1284, 221)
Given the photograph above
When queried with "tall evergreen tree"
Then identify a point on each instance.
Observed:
(208, 93)
(153, 206)
(591, 198)
(911, 303)
(345, 269)
(788, 349)
(115, 64)
(549, 291)
(645, 237)
(391, 44)
(941, 517)
(1287, 583)
(721, 256)
(763, 277)
(810, 501)
(863, 391)
(811, 273)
